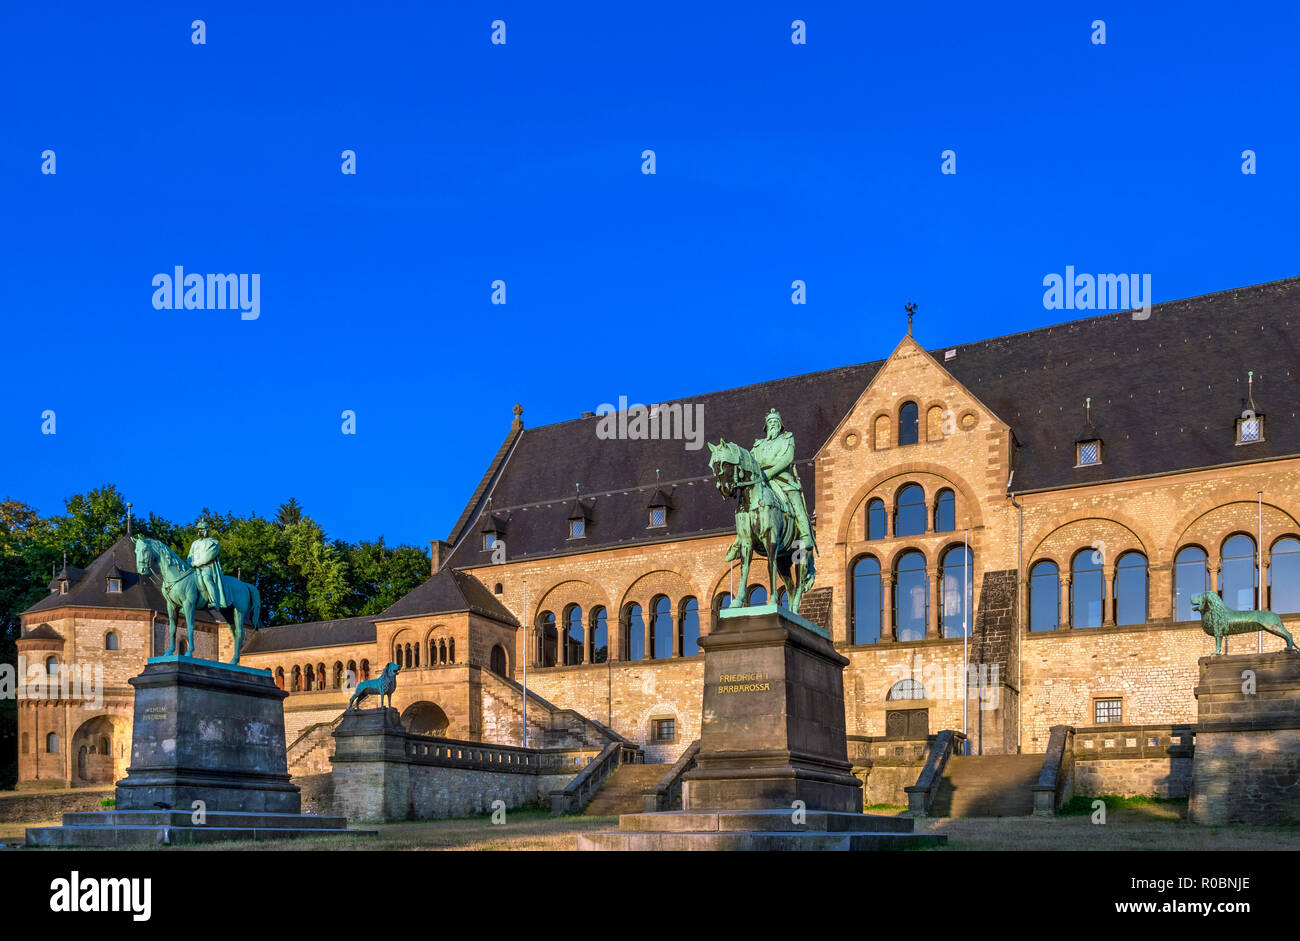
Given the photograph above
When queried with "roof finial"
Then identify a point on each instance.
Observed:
(519, 417)
(911, 311)
(128, 519)
(656, 475)
(1250, 388)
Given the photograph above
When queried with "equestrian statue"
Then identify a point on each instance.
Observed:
(197, 584)
(771, 516)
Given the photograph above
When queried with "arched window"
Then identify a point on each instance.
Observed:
(548, 639)
(688, 628)
(296, 679)
(1044, 596)
(52, 744)
(573, 636)
(279, 677)
(497, 661)
(945, 512)
(661, 628)
(1237, 583)
(876, 519)
(905, 689)
(365, 670)
(721, 602)
(397, 655)
(442, 650)
(866, 601)
(882, 432)
(415, 653)
(783, 599)
(911, 596)
(451, 650)
(1086, 585)
(599, 636)
(311, 677)
(320, 676)
(908, 430)
(1284, 576)
(1131, 589)
(52, 667)
(633, 633)
(910, 511)
(352, 675)
(338, 674)
(1191, 578)
(957, 577)
(757, 595)
(110, 641)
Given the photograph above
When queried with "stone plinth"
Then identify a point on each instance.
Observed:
(207, 765)
(773, 770)
(1246, 762)
(208, 732)
(772, 731)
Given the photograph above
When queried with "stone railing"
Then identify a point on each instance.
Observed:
(866, 750)
(1056, 779)
(920, 796)
(1134, 741)
(667, 792)
(577, 794)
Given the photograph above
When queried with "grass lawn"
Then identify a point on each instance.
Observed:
(1130, 825)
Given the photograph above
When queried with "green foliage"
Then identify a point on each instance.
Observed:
(1080, 804)
(108, 802)
(300, 573)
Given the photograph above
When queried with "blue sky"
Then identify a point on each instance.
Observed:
(522, 162)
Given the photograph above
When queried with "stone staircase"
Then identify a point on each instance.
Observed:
(621, 792)
(309, 753)
(987, 786)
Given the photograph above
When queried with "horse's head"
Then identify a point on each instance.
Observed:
(143, 555)
(723, 463)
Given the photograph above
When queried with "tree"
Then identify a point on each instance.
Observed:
(289, 513)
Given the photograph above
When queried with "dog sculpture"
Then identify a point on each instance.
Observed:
(1220, 621)
(381, 686)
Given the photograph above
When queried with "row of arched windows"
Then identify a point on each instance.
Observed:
(659, 633)
(906, 615)
(314, 677)
(912, 515)
(1087, 603)
(442, 651)
(909, 426)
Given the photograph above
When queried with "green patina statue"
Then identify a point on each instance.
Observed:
(189, 588)
(1220, 621)
(771, 516)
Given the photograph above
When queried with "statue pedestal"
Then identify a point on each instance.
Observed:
(773, 770)
(207, 765)
(1246, 762)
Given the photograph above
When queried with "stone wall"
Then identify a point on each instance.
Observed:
(36, 806)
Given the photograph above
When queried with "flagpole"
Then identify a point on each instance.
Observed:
(525, 724)
(1259, 572)
(965, 634)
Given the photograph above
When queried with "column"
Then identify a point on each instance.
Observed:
(1107, 595)
(887, 607)
(933, 583)
(675, 625)
(1063, 619)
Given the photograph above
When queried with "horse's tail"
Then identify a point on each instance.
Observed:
(255, 615)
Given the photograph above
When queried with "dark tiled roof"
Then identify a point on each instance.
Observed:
(448, 592)
(336, 633)
(91, 590)
(44, 632)
(1165, 395)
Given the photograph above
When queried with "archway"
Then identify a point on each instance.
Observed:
(425, 718)
(100, 745)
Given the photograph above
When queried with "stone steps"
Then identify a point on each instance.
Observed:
(987, 786)
(621, 792)
(760, 830)
(177, 828)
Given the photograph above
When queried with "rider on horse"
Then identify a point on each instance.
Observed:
(776, 455)
(205, 557)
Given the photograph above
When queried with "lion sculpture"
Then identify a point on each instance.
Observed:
(381, 686)
(1220, 621)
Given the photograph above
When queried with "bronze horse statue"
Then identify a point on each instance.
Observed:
(763, 524)
(181, 590)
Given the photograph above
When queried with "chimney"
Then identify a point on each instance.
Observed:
(438, 549)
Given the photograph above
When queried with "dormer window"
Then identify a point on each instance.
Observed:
(658, 516)
(658, 507)
(493, 532)
(579, 517)
(63, 586)
(1250, 428)
(489, 541)
(115, 586)
(1088, 453)
(113, 580)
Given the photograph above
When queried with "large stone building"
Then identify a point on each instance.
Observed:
(1083, 481)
